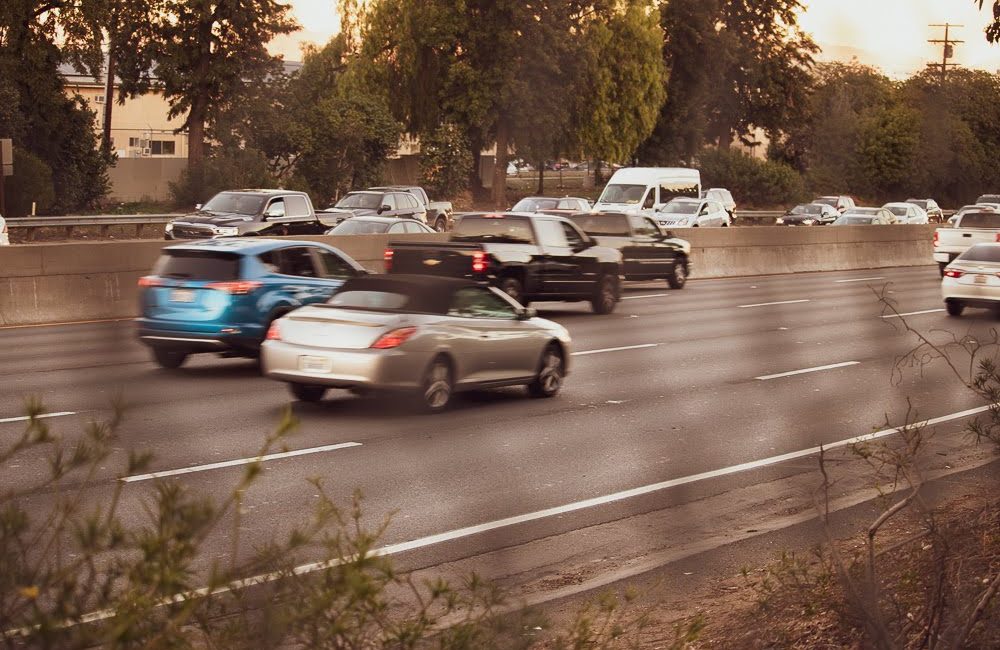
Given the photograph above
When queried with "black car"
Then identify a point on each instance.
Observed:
(240, 213)
(809, 214)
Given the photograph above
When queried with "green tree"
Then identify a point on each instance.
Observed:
(445, 161)
(993, 29)
(888, 141)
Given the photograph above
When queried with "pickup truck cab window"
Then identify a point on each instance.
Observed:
(988, 220)
(276, 208)
(551, 234)
(575, 238)
(508, 230)
(296, 206)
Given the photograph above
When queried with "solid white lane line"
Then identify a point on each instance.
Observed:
(768, 304)
(913, 313)
(858, 280)
(25, 418)
(805, 370)
(241, 461)
(459, 533)
(624, 347)
(646, 295)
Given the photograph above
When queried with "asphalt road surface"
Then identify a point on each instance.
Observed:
(674, 384)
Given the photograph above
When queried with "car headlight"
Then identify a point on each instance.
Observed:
(225, 231)
(682, 222)
(779, 221)
(808, 222)
(169, 227)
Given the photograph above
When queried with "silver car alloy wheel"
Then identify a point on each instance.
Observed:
(437, 392)
(551, 375)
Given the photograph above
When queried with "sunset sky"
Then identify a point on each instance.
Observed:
(891, 34)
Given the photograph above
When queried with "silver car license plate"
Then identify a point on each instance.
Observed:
(980, 279)
(308, 363)
(182, 295)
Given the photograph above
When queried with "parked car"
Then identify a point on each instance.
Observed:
(439, 213)
(379, 226)
(647, 252)
(841, 203)
(866, 217)
(4, 233)
(429, 336)
(644, 190)
(565, 206)
(694, 213)
(724, 197)
(907, 213)
(365, 203)
(239, 213)
(934, 212)
(808, 214)
(972, 279)
(978, 226)
(528, 256)
(221, 295)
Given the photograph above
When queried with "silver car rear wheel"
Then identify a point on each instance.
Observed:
(438, 386)
(550, 375)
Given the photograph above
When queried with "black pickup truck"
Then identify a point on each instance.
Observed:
(529, 256)
(239, 213)
(647, 252)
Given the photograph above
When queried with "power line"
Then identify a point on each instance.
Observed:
(947, 49)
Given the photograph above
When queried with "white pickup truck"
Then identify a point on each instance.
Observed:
(973, 227)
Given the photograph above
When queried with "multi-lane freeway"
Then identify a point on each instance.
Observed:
(672, 385)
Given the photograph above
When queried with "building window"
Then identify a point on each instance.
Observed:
(98, 99)
(162, 148)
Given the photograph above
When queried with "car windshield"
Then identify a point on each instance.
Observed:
(623, 194)
(680, 207)
(534, 204)
(360, 227)
(807, 208)
(854, 221)
(363, 200)
(897, 210)
(980, 220)
(981, 253)
(211, 266)
(235, 203)
(509, 230)
(602, 225)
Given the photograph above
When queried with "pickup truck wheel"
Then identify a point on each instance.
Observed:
(307, 392)
(170, 359)
(954, 308)
(512, 287)
(678, 275)
(441, 225)
(605, 296)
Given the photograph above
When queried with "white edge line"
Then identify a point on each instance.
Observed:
(912, 313)
(458, 533)
(768, 304)
(25, 418)
(881, 277)
(626, 347)
(240, 461)
(647, 295)
(805, 370)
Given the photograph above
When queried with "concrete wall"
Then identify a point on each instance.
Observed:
(144, 179)
(52, 283)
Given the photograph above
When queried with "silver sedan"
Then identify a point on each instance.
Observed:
(425, 335)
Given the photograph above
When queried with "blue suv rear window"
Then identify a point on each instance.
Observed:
(198, 265)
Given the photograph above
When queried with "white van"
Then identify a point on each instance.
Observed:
(643, 190)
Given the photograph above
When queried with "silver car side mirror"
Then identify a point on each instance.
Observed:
(527, 313)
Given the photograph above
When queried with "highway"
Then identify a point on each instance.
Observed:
(673, 384)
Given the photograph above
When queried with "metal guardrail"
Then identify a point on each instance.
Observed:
(102, 221)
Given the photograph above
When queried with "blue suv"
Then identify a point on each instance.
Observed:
(221, 295)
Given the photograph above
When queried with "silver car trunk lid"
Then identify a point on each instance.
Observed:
(336, 328)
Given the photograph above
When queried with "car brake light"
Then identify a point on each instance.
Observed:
(953, 273)
(998, 237)
(273, 332)
(387, 259)
(492, 216)
(150, 281)
(478, 262)
(936, 242)
(236, 288)
(394, 339)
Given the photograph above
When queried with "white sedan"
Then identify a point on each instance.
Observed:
(685, 212)
(4, 236)
(972, 279)
(907, 212)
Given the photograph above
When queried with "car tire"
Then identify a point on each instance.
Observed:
(441, 225)
(307, 392)
(605, 295)
(169, 359)
(513, 288)
(437, 386)
(678, 275)
(551, 371)
(954, 308)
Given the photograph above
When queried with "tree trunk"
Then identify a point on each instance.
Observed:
(541, 177)
(597, 174)
(109, 99)
(475, 175)
(500, 166)
(196, 146)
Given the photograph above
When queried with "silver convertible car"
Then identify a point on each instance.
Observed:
(429, 336)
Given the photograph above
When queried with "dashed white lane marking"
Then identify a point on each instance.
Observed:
(913, 313)
(430, 540)
(805, 370)
(768, 304)
(624, 347)
(25, 418)
(646, 295)
(240, 461)
(858, 280)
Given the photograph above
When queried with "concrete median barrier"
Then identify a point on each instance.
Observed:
(68, 282)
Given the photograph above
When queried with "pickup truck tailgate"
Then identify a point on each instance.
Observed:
(450, 260)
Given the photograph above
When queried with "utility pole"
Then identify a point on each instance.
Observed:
(947, 50)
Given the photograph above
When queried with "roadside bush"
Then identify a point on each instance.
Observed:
(225, 170)
(753, 182)
(32, 181)
(445, 162)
